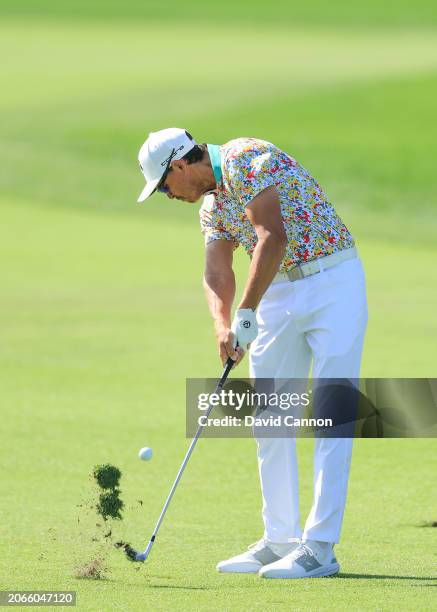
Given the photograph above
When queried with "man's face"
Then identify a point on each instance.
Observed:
(186, 182)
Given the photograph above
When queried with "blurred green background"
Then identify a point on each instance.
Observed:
(102, 310)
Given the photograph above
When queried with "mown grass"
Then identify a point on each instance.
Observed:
(102, 309)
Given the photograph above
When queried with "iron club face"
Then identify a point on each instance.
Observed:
(132, 554)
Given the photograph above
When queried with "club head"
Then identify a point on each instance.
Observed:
(133, 555)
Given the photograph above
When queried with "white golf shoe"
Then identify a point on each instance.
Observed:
(256, 557)
(310, 560)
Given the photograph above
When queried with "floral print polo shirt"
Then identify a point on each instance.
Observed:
(246, 166)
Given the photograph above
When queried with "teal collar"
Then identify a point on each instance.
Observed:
(216, 161)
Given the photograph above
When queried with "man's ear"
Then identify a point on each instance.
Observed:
(179, 165)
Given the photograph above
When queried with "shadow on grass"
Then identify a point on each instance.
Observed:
(336, 576)
(174, 586)
(428, 524)
(258, 583)
(383, 577)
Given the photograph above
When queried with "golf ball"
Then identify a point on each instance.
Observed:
(145, 453)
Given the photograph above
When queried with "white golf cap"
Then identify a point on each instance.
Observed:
(158, 151)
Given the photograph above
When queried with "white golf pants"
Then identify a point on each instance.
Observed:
(319, 319)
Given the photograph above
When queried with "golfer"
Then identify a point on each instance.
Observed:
(304, 303)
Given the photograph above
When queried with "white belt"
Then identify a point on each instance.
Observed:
(316, 265)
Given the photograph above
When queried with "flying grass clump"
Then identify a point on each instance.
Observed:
(107, 476)
(98, 536)
(94, 570)
(109, 505)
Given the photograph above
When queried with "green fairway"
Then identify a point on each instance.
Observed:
(103, 315)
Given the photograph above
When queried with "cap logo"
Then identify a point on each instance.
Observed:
(173, 154)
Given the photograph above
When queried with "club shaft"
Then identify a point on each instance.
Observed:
(219, 386)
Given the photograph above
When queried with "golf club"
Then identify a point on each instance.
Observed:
(131, 553)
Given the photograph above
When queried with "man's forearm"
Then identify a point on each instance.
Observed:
(265, 263)
(220, 293)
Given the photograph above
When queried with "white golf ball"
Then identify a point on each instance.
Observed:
(145, 453)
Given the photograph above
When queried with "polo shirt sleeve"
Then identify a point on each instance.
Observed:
(250, 172)
(211, 226)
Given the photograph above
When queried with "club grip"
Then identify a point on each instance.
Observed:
(228, 367)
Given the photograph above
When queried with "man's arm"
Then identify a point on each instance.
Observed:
(264, 212)
(219, 285)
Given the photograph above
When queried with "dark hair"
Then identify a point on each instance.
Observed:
(196, 153)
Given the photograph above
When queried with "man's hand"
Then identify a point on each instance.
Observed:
(244, 327)
(226, 345)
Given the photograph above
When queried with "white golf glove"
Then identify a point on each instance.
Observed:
(244, 327)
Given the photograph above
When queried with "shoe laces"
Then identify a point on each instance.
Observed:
(303, 551)
(263, 543)
(258, 545)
